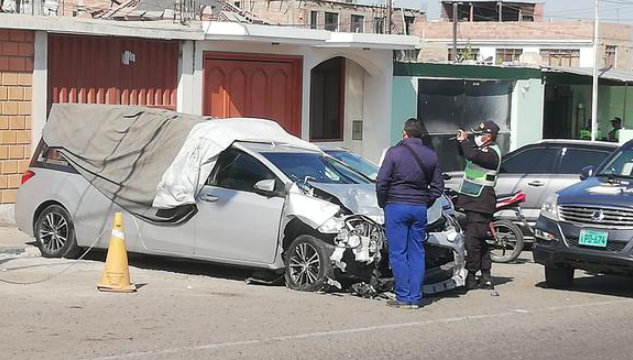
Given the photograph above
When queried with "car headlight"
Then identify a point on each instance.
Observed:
(332, 226)
(550, 208)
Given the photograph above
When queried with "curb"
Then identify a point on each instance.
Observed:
(20, 250)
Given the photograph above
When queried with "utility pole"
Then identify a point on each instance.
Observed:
(455, 18)
(596, 61)
(389, 15)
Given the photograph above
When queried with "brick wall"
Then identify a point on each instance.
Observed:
(16, 75)
(297, 13)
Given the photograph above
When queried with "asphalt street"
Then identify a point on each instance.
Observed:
(186, 310)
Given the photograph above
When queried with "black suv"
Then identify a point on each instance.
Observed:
(589, 225)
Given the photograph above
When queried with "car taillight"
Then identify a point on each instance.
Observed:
(26, 176)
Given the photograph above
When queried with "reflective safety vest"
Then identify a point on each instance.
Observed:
(585, 134)
(476, 177)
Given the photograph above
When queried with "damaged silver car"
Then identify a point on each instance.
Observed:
(265, 205)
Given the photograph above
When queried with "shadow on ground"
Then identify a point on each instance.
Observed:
(182, 266)
(611, 285)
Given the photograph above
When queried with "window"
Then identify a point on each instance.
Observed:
(238, 4)
(573, 160)
(316, 167)
(464, 54)
(408, 24)
(357, 24)
(533, 161)
(609, 56)
(561, 57)
(326, 100)
(314, 20)
(331, 21)
(620, 165)
(508, 55)
(379, 25)
(239, 171)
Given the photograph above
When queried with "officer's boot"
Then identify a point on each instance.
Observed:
(471, 281)
(486, 281)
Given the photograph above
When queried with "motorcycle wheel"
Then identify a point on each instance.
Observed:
(507, 243)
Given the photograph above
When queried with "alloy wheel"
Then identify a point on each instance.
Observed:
(304, 264)
(53, 232)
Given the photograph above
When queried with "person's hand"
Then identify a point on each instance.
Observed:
(461, 135)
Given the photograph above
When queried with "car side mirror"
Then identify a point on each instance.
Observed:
(446, 176)
(265, 187)
(586, 172)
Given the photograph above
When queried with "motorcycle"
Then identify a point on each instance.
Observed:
(505, 237)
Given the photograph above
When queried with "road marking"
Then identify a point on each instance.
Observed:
(318, 334)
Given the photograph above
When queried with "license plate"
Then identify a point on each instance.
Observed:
(593, 238)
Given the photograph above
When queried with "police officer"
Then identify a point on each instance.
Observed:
(614, 135)
(478, 198)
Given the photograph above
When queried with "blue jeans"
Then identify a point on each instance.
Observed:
(406, 232)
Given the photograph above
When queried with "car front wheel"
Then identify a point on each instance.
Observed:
(308, 264)
(559, 277)
(55, 233)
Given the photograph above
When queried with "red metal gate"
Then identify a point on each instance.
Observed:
(102, 70)
(254, 85)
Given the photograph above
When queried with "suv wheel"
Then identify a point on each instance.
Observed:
(55, 233)
(559, 277)
(308, 264)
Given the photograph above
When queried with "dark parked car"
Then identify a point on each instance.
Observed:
(542, 169)
(589, 226)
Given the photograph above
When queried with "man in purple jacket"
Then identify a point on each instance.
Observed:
(408, 183)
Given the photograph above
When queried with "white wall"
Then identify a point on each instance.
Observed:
(526, 122)
(487, 51)
(586, 57)
(40, 87)
(376, 64)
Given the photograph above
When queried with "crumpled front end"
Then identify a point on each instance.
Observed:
(445, 258)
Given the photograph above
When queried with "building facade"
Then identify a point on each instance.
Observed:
(518, 33)
(322, 86)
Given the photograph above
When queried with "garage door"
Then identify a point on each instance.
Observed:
(254, 85)
(100, 70)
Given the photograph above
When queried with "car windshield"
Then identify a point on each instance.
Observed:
(315, 167)
(356, 162)
(620, 165)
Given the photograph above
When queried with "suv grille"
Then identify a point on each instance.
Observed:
(612, 246)
(611, 218)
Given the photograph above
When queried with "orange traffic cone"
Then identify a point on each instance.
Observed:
(116, 277)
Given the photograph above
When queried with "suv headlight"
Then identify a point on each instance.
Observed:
(550, 208)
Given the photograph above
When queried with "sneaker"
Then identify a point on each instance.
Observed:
(422, 303)
(398, 304)
(486, 282)
(471, 281)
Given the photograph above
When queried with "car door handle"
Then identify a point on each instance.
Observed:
(209, 198)
(536, 183)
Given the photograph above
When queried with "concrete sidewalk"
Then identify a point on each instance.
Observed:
(14, 241)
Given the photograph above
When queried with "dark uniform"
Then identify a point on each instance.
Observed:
(478, 199)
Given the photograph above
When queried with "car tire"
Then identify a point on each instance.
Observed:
(559, 277)
(307, 264)
(55, 233)
(509, 242)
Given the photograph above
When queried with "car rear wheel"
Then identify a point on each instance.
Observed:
(55, 233)
(308, 264)
(559, 277)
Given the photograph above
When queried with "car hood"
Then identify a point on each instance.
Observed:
(598, 191)
(361, 199)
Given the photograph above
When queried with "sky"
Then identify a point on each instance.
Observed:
(611, 10)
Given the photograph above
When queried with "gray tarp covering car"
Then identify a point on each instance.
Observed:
(146, 159)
